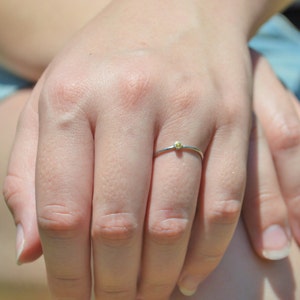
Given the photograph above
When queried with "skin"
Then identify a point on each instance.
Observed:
(28, 281)
(68, 228)
(263, 280)
(32, 28)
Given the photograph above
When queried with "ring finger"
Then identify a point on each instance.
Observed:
(172, 205)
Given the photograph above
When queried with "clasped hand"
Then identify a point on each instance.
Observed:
(123, 88)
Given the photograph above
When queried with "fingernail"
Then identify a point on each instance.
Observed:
(276, 242)
(188, 286)
(20, 242)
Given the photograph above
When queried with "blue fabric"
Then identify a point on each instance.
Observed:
(10, 83)
(279, 41)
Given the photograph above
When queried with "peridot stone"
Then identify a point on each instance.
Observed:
(178, 145)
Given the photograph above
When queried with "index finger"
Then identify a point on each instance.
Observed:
(64, 181)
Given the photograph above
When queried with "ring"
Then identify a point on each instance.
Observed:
(179, 146)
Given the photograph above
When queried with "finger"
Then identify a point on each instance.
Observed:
(64, 181)
(124, 149)
(18, 189)
(281, 124)
(170, 215)
(221, 194)
(295, 102)
(264, 210)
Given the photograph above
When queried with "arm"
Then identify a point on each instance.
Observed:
(37, 32)
(33, 32)
(169, 77)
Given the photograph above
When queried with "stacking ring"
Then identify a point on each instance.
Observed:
(179, 146)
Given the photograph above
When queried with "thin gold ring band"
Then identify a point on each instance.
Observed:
(179, 146)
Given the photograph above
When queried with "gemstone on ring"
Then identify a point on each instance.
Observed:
(178, 145)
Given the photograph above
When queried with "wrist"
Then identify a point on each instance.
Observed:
(246, 16)
(238, 18)
(263, 10)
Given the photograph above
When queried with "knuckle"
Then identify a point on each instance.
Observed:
(168, 231)
(115, 229)
(156, 290)
(11, 188)
(63, 92)
(225, 212)
(203, 264)
(68, 281)
(133, 81)
(285, 134)
(269, 203)
(68, 286)
(266, 197)
(114, 292)
(208, 261)
(57, 220)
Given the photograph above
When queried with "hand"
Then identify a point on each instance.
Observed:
(273, 170)
(105, 105)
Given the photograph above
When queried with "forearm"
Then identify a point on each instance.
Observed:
(265, 9)
(29, 44)
(247, 15)
(221, 17)
(32, 32)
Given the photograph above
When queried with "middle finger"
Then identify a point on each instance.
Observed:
(123, 162)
